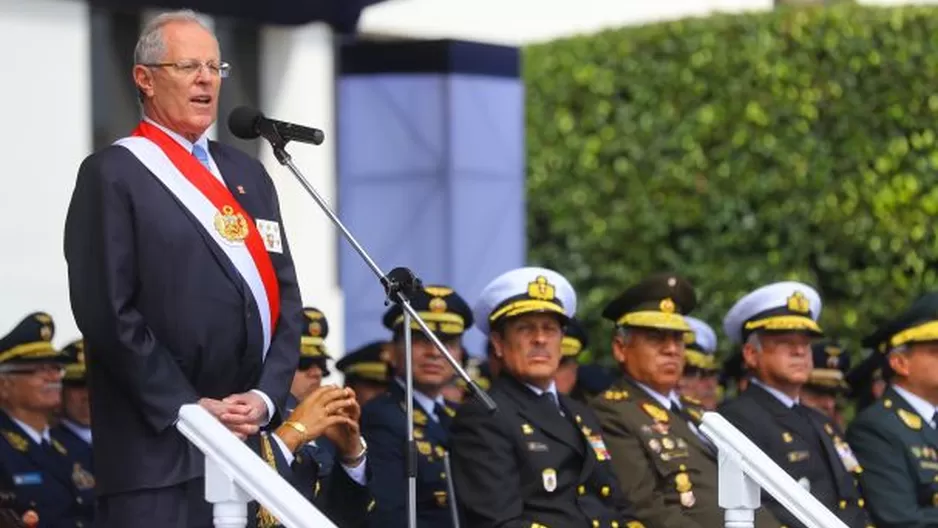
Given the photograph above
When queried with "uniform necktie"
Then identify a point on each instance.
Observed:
(552, 398)
(201, 155)
(441, 415)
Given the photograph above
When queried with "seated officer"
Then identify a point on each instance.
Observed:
(384, 419)
(667, 468)
(895, 438)
(310, 371)
(775, 325)
(540, 460)
(574, 342)
(701, 376)
(312, 367)
(827, 385)
(74, 429)
(47, 479)
(331, 413)
(367, 370)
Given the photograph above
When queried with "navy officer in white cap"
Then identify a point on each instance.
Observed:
(775, 325)
(540, 460)
(700, 381)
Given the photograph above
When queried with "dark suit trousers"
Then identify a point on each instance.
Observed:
(180, 506)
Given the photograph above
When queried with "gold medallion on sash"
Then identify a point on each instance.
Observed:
(230, 225)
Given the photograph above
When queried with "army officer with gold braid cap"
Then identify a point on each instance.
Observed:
(667, 467)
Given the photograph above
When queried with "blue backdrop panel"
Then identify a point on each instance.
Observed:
(431, 170)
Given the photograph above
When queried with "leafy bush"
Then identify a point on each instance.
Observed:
(738, 150)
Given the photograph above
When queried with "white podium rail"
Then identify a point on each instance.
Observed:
(234, 475)
(744, 470)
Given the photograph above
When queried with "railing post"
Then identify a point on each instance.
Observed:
(738, 494)
(229, 501)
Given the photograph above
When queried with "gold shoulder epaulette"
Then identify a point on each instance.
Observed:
(911, 420)
(615, 395)
(691, 400)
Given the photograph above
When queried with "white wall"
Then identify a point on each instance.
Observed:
(46, 93)
(518, 22)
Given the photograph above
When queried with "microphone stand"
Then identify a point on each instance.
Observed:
(399, 285)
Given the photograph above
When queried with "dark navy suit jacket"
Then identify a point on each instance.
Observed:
(165, 316)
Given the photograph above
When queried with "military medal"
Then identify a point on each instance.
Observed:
(846, 454)
(599, 447)
(655, 445)
(230, 225)
(549, 476)
(684, 487)
(688, 499)
(82, 479)
(667, 443)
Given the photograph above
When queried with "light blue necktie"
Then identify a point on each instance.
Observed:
(202, 156)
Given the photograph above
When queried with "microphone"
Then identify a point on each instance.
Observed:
(249, 123)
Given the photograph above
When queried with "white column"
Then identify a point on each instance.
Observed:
(297, 84)
(47, 100)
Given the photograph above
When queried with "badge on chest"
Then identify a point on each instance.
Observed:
(549, 477)
(270, 234)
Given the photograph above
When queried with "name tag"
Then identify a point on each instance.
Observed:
(270, 234)
(28, 479)
(537, 447)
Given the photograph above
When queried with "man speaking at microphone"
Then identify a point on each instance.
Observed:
(182, 283)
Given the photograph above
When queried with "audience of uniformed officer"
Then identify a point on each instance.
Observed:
(895, 438)
(541, 459)
(775, 325)
(48, 478)
(384, 419)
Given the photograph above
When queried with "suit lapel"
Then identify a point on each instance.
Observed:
(223, 261)
(548, 420)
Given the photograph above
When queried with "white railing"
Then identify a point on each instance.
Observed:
(744, 470)
(234, 475)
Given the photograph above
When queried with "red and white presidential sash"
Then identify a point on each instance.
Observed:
(217, 211)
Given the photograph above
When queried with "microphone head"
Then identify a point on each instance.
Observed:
(242, 122)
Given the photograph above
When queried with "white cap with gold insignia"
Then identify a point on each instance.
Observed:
(779, 307)
(521, 291)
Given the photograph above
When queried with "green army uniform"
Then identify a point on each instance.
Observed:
(897, 444)
(666, 467)
(666, 470)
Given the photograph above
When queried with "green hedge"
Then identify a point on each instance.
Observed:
(739, 150)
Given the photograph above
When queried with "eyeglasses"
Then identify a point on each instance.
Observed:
(37, 369)
(193, 67)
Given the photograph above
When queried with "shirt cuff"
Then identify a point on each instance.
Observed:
(270, 406)
(283, 449)
(357, 473)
